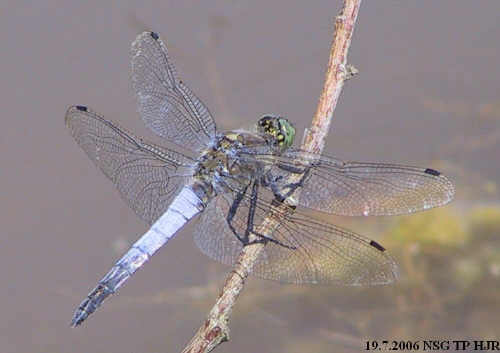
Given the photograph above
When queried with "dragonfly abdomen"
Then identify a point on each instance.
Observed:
(184, 207)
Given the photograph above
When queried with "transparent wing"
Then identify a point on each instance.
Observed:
(212, 234)
(147, 176)
(167, 105)
(304, 251)
(359, 189)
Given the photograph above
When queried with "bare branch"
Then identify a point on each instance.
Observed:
(215, 329)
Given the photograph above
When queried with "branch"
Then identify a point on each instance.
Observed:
(215, 329)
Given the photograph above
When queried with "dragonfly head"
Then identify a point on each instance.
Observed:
(278, 131)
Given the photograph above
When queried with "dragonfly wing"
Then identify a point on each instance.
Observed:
(147, 176)
(318, 252)
(303, 250)
(167, 105)
(212, 234)
(360, 189)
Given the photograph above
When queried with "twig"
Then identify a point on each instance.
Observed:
(215, 329)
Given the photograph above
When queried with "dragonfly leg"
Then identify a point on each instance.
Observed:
(265, 239)
(271, 181)
(232, 213)
(245, 239)
(251, 209)
(293, 186)
(250, 224)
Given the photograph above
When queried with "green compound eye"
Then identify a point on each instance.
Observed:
(288, 132)
(278, 131)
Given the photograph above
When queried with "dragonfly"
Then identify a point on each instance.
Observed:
(233, 181)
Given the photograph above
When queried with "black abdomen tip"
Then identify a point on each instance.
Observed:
(82, 108)
(155, 36)
(377, 245)
(432, 172)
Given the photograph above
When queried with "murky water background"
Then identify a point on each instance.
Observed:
(427, 94)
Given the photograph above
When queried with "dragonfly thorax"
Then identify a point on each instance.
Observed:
(222, 166)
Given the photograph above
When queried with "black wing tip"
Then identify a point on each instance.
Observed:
(81, 108)
(69, 113)
(432, 172)
(377, 245)
(154, 35)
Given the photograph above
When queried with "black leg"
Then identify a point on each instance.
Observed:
(251, 209)
(250, 222)
(271, 182)
(265, 239)
(232, 213)
(300, 183)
